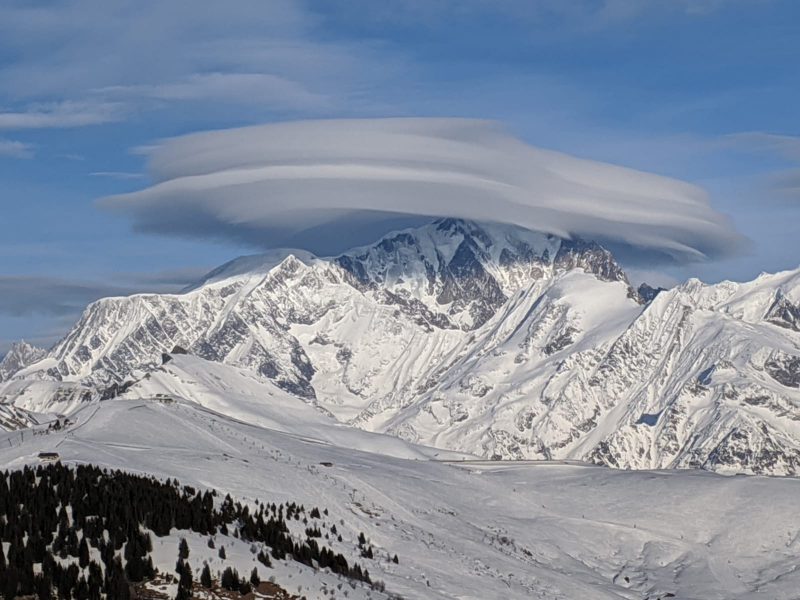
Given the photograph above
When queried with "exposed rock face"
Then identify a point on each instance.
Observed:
(646, 293)
(591, 257)
(785, 369)
(486, 339)
(784, 313)
(459, 271)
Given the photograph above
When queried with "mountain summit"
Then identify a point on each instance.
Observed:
(484, 339)
(20, 355)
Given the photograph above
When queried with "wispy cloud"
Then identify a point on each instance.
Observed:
(89, 62)
(169, 280)
(574, 14)
(62, 115)
(123, 175)
(57, 296)
(281, 184)
(15, 149)
(265, 89)
(23, 295)
(54, 303)
(785, 181)
(787, 146)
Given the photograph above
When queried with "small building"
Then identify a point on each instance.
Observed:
(49, 456)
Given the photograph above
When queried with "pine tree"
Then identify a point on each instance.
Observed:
(230, 579)
(205, 577)
(263, 558)
(83, 553)
(185, 580)
(11, 583)
(254, 578)
(183, 549)
(43, 510)
(118, 587)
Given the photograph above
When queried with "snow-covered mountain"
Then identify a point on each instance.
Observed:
(20, 355)
(488, 340)
(703, 376)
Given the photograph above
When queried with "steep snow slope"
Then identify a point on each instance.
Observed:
(494, 386)
(482, 339)
(471, 529)
(702, 376)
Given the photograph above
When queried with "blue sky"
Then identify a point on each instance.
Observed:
(701, 90)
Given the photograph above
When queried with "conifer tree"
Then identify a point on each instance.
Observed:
(83, 553)
(205, 577)
(183, 549)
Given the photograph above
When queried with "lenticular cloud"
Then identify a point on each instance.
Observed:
(323, 185)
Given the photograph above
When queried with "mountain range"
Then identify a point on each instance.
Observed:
(484, 340)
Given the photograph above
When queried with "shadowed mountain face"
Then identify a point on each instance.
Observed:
(491, 340)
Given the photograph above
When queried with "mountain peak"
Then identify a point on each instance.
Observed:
(250, 265)
(20, 355)
(461, 270)
(591, 257)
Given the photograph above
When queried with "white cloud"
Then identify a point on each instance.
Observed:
(93, 61)
(786, 146)
(15, 149)
(539, 14)
(264, 89)
(287, 183)
(785, 182)
(61, 115)
(116, 175)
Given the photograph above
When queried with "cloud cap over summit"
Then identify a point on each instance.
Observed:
(325, 185)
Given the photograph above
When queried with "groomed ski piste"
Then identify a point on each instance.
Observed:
(461, 528)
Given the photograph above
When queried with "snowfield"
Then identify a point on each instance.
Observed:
(466, 529)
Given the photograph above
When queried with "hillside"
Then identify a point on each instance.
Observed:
(469, 529)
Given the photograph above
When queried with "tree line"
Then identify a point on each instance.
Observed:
(52, 515)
